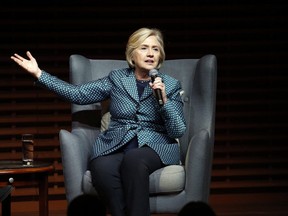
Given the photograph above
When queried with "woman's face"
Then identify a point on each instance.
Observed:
(146, 56)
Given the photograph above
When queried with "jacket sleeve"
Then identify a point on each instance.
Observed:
(172, 113)
(87, 93)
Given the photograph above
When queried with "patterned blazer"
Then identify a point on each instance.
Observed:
(155, 126)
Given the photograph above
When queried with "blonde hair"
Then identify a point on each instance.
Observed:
(137, 38)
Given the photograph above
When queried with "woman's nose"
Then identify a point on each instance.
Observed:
(150, 52)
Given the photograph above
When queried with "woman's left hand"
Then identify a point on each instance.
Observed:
(158, 84)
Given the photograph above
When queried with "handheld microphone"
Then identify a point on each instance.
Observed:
(153, 74)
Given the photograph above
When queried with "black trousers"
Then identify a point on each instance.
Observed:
(122, 180)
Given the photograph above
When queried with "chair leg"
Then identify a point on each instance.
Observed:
(6, 206)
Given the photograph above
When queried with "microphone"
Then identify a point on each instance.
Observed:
(153, 74)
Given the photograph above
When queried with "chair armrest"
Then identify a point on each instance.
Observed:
(75, 151)
(198, 167)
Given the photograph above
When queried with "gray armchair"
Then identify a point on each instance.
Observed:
(170, 187)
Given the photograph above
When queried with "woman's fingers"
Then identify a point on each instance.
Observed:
(17, 58)
(158, 84)
(20, 59)
(30, 56)
(29, 64)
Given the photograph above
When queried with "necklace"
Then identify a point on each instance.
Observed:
(142, 81)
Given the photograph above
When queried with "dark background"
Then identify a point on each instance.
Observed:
(249, 39)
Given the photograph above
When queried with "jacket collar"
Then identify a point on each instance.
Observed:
(129, 83)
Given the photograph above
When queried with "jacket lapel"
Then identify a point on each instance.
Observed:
(129, 84)
(147, 92)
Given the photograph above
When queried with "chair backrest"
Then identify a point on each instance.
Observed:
(197, 77)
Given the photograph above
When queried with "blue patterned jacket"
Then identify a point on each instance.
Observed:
(155, 126)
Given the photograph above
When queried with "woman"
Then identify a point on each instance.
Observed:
(141, 137)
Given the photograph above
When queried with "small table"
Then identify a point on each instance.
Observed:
(18, 174)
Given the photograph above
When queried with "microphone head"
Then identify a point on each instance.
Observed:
(153, 73)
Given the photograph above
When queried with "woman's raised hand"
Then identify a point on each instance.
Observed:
(30, 65)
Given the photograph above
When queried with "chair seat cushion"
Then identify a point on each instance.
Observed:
(169, 179)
